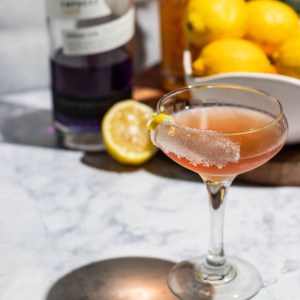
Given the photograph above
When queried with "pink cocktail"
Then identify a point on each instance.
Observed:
(218, 131)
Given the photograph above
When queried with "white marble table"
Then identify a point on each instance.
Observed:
(62, 210)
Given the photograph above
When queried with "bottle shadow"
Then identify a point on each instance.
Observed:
(27, 126)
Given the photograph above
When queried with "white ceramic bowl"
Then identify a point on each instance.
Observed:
(286, 89)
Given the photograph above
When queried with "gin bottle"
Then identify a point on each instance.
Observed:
(91, 65)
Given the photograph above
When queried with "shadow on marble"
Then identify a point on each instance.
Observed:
(159, 165)
(33, 127)
(126, 278)
(27, 126)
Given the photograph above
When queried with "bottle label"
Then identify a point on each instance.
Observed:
(99, 38)
(77, 9)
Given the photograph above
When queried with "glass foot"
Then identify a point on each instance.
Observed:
(184, 281)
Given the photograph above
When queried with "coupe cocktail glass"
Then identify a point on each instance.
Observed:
(218, 131)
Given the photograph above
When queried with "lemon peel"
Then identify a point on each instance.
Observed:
(155, 120)
(125, 135)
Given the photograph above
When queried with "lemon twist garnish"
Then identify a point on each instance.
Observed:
(155, 120)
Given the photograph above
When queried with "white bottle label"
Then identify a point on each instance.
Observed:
(77, 9)
(99, 38)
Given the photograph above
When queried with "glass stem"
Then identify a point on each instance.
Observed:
(215, 267)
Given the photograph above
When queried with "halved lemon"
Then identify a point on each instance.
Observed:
(125, 133)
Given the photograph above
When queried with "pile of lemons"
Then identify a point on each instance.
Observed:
(243, 36)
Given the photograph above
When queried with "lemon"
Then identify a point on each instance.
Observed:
(287, 59)
(295, 4)
(270, 23)
(125, 133)
(297, 32)
(231, 55)
(208, 20)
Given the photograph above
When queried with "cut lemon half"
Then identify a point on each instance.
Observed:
(125, 133)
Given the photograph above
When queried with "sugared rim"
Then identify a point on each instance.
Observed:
(238, 87)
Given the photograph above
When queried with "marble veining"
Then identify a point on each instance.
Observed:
(59, 213)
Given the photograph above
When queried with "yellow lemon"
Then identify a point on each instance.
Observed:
(270, 23)
(297, 32)
(231, 55)
(208, 20)
(125, 133)
(287, 58)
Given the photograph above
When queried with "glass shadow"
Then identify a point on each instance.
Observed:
(126, 278)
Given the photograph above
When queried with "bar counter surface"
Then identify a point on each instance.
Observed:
(80, 226)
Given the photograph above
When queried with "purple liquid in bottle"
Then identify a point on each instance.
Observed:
(85, 87)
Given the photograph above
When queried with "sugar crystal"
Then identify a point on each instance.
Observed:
(203, 147)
